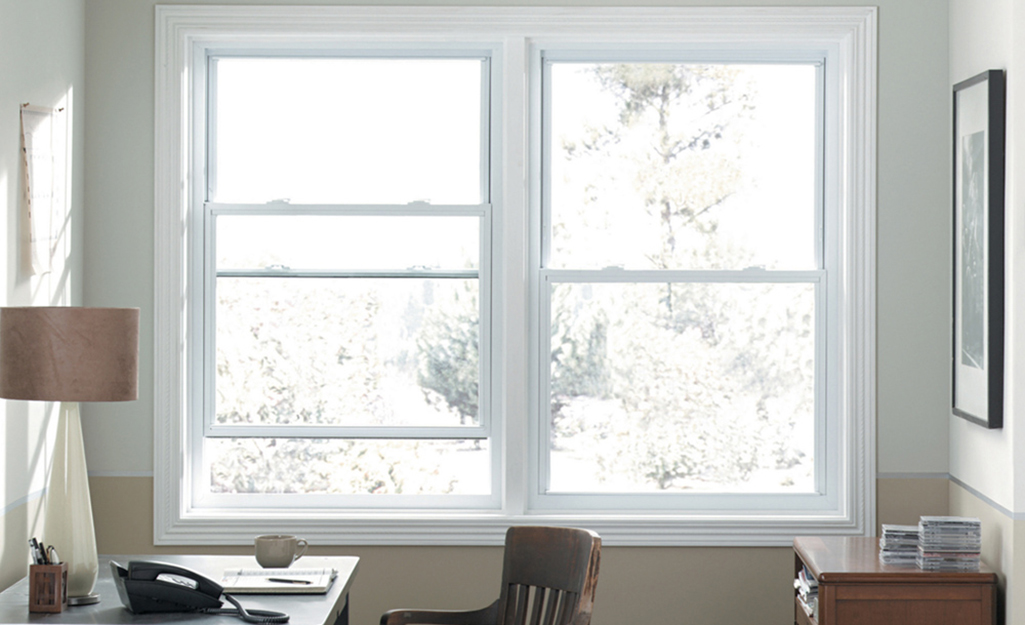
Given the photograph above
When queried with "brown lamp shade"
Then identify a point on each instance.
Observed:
(69, 353)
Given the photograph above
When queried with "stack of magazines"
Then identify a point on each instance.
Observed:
(949, 543)
(899, 545)
(807, 592)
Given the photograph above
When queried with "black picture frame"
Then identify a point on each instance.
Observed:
(977, 358)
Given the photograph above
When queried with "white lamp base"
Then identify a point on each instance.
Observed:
(68, 524)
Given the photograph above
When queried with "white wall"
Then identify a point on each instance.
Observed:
(41, 62)
(981, 39)
(990, 464)
(913, 259)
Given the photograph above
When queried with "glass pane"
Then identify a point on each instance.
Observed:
(348, 467)
(347, 242)
(358, 352)
(348, 131)
(682, 388)
(672, 166)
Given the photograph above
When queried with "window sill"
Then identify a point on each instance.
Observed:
(483, 528)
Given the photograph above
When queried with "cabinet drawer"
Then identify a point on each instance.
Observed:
(907, 592)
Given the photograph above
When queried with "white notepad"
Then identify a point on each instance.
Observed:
(278, 581)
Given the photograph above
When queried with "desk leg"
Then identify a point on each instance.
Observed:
(343, 616)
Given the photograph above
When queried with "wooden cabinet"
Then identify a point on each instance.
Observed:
(855, 588)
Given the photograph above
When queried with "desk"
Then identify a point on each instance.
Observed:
(328, 609)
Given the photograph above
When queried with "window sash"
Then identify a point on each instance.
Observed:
(827, 465)
(692, 55)
(209, 366)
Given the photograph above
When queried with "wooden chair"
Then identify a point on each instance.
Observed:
(548, 578)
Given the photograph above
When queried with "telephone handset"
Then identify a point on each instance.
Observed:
(161, 587)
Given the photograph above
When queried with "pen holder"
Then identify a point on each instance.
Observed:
(48, 587)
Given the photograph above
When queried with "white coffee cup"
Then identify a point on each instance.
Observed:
(279, 551)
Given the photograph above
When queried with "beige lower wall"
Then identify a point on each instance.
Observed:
(681, 585)
(999, 534)
(637, 585)
(900, 501)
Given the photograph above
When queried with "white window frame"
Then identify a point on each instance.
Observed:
(520, 35)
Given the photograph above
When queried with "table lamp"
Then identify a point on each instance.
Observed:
(70, 355)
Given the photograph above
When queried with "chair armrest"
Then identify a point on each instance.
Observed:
(484, 616)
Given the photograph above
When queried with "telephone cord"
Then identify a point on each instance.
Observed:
(249, 616)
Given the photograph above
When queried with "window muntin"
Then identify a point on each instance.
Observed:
(683, 285)
(347, 130)
(345, 338)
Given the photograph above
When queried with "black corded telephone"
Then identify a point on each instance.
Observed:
(161, 587)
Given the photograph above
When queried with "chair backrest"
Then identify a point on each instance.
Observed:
(549, 576)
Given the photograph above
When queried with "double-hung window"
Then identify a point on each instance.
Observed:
(346, 264)
(685, 275)
(423, 273)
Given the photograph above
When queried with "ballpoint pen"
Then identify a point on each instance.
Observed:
(288, 581)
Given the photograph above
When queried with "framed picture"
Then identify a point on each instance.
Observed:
(978, 345)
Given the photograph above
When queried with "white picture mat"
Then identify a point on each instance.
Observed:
(970, 382)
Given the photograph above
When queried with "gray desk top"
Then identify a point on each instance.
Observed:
(303, 609)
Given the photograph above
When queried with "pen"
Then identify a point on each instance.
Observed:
(288, 581)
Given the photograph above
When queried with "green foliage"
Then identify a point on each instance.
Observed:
(316, 352)
(284, 466)
(449, 354)
(579, 351)
(298, 352)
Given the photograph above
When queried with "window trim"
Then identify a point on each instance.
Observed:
(182, 30)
